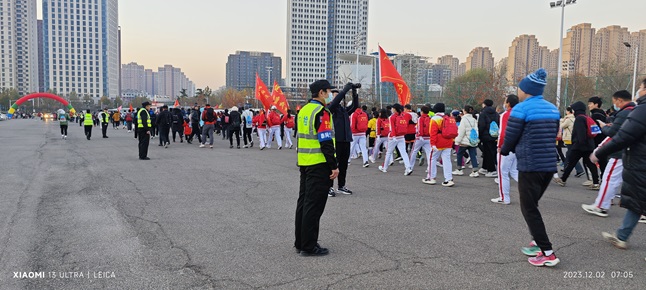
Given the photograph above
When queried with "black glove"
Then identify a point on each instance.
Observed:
(348, 87)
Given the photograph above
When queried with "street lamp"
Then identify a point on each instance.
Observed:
(269, 68)
(635, 70)
(560, 4)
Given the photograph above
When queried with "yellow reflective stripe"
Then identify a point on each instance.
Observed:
(308, 136)
(309, 150)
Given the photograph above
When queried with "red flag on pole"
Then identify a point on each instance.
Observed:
(131, 107)
(278, 99)
(176, 105)
(389, 74)
(262, 93)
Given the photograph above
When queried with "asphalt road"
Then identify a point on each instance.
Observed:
(195, 218)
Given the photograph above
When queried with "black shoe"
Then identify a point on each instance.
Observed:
(238, 146)
(231, 147)
(331, 193)
(145, 158)
(317, 251)
(189, 142)
(105, 136)
(344, 190)
(251, 144)
(160, 145)
(579, 174)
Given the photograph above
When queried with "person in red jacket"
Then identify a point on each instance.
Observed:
(507, 165)
(273, 121)
(422, 137)
(382, 131)
(398, 129)
(358, 126)
(260, 122)
(441, 147)
(411, 132)
(288, 120)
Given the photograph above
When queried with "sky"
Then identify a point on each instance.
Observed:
(198, 35)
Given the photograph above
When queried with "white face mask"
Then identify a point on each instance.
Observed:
(330, 97)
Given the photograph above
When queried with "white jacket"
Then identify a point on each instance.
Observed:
(464, 130)
(247, 114)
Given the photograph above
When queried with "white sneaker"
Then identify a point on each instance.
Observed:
(492, 174)
(372, 159)
(391, 163)
(408, 172)
(65, 137)
(498, 200)
(382, 169)
(62, 136)
(440, 165)
(202, 146)
(497, 180)
(448, 183)
(483, 171)
(401, 162)
(474, 174)
(614, 240)
(643, 219)
(593, 209)
(587, 183)
(458, 172)
(429, 181)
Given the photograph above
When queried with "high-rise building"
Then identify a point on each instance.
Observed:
(609, 49)
(480, 57)
(317, 32)
(41, 60)
(524, 57)
(81, 52)
(413, 69)
(170, 81)
(243, 66)
(462, 69)
(19, 42)
(453, 63)
(638, 39)
(577, 49)
(151, 82)
(133, 79)
(438, 74)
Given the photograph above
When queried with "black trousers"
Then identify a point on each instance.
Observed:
(234, 131)
(312, 197)
(104, 129)
(154, 131)
(573, 158)
(64, 130)
(489, 152)
(531, 187)
(247, 134)
(163, 134)
(342, 157)
(144, 140)
(88, 131)
(195, 130)
(178, 130)
(559, 151)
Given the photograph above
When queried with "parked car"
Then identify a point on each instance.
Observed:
(3, 117)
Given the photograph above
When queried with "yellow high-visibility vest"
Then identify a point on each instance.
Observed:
(309, 147)
(140, 124)
(88, 120)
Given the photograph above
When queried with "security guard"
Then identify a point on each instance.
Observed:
(105, 121)
(88, 123)
(317, 162)
(143, 127)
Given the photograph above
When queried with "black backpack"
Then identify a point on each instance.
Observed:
(175, 119)
(210, 115)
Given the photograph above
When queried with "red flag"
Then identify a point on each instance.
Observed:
(131, 108)
(278, 99)
(176, 105)
(262, 93)
(389, 74)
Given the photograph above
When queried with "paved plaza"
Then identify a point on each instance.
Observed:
(193, 218)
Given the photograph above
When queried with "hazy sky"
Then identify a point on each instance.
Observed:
(198, 35)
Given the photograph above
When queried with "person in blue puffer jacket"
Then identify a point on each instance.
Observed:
(531, 133)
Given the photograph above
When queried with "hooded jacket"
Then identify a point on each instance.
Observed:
(580, 140)
(467, 123)
(487, 116)
(619, 119)
(631, 136)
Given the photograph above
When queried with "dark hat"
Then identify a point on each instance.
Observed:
(144, 104)
(439, 108)
(319, 85)
(534, 84)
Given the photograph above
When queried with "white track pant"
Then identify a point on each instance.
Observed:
(610, 184)
(507, 166)
(378, 142)
(262, 135)
(359, 142)
(446, 164)
(420, 144)
(393, 143)
(274, 133)
(288, 137)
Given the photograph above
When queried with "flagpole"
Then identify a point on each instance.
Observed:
(381, 99)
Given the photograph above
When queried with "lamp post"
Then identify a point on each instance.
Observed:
(269, 68)
(635, 69)
(560, 4)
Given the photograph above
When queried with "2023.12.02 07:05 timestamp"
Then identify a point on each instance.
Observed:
(597, 275)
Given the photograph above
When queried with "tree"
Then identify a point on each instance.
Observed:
(182, 94)
(118, 101)
(75, 100)
(137, 101)
(105, 101)
(232, 97)
(473, 88)
(8, 96)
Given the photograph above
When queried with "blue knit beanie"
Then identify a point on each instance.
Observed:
(534, 84)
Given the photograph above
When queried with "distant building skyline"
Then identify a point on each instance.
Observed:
(19, 41)
(167, 81)
(243, 65)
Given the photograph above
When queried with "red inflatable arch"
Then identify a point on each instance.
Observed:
(20, 101)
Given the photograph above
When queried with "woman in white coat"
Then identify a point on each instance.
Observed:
(468, 141)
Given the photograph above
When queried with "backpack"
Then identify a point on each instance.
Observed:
(248, 120)
(209, 115)
(593, 128)
(362, 122)
(226, 119)
(236, 123)
(175, 119)
(494, 130)
(424, 129)
(474, 139)
(449, 127)
(401, 125)
(128, 117)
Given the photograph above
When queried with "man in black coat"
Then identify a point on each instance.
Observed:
(195, 124)
(488, 143)
(164, 121)
(178, 124)
(343, 134)
(599, 116)
(581, 148)
(632, 134)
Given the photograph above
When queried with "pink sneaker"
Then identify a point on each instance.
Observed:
(541, 260)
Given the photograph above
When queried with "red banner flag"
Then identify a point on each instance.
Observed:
(262, 93)
(176, 105)
(131, 108)
(278, 99)
(389, 74)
